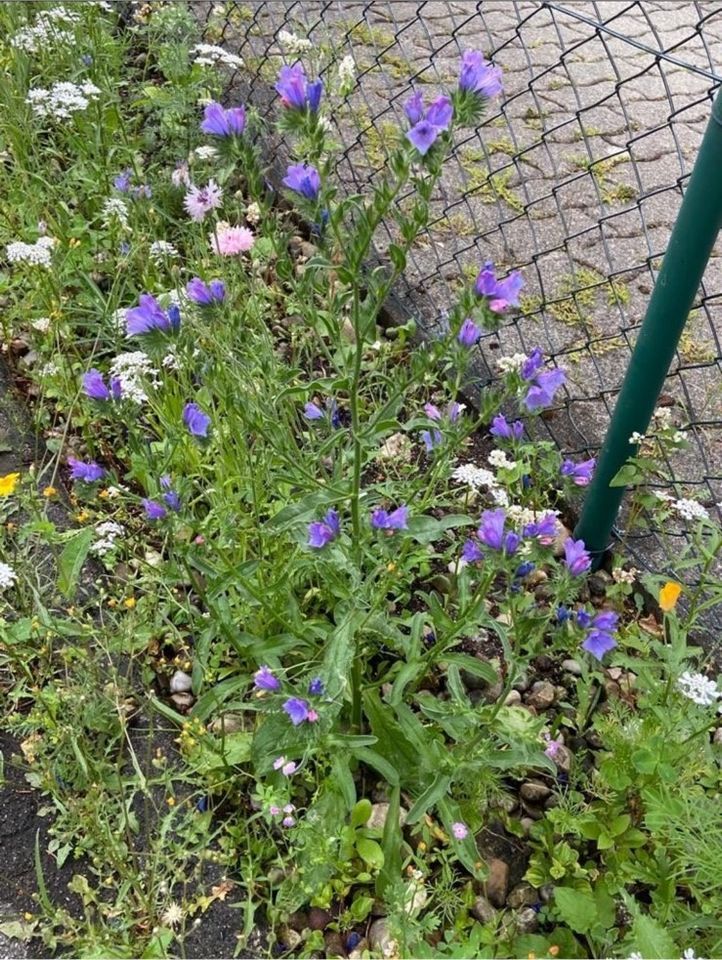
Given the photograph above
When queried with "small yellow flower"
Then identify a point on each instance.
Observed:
(74, 242)
(28, 917)
(112, 602)
(129, 603)
(82, 516)
(669, 595)
(49, 491)
(8, 484)
(554, 950)
(103, 494)
(391, 567)
(171, 801)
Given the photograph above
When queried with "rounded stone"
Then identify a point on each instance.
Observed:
(180, 682)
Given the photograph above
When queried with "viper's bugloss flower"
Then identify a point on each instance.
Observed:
(315, 687)
(500, 427)
(396, 520)
(154, 510)
(312, 411)
(171, 498)
(501, 294)
(122, 181)
(264, 679)
(563, 614)
(296, 91)
(478, 75)
(580, 473)
(87, 472)
(545, 529)
(524, 569)
(219, 122)
(94, 385)
(469, 334)
(196, 421)
(431, 439)
(598, 642)
(492, 532)
(205, 294)
(303, 178)
(541, 394)
(149, 316)
(471, 552)
(533, 363)
(429, 123)
(323, 532)
(576, 557)
(296, 709)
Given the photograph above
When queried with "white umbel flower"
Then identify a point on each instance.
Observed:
(690, 510)
(698, 688)
(135, 371)
(292, 44)
(115, 210)
(161, 250)
(209, 55)
(62, 100)
(7, 576)
(473, 476)
(107, 533)
(36, 254)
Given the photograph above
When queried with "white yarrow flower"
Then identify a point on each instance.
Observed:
(698, 688)
(209, 55)
(206, 152)
(7, 576)
(292, 44)
(473, 476)
(107, 532)
(62, 100)
(511, 364)
(161, 250)
(35, 254)
(136, 372)
(42, 324)
(690, 510)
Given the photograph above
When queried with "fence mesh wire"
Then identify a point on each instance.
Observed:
(574, 177)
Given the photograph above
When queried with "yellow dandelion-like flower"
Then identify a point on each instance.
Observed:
(8, 484)
(669, 595)
(49, 491)
(129, 603)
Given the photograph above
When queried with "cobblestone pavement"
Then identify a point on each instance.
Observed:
(575, 176)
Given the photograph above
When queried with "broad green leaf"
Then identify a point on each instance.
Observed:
(577, 908)
(71, 560)
(652, 939)
(378, 763)
(370, 852)
(361, 813)
(392, 840)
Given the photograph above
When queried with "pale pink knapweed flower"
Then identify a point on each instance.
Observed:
(201, 200)
(229, 241)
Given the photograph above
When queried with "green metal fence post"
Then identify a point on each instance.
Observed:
(698, 223)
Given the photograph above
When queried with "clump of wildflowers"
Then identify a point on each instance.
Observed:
(62, 100)
(7, 576)
(700, 689)
(36, 254)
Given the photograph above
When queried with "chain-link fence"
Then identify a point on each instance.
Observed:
(574, 177)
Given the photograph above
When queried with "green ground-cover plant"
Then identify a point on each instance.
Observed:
(300, 625)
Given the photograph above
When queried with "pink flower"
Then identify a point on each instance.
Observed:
(229, 241)
(460, 830)
(312, 716)
(201, 200)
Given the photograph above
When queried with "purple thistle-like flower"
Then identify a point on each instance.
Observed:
(321, 533)
(87, 472)
(264, 679)
(396, 520)
(598, 642)
(576, 557)
(541, 394)
(94, 385)
(479, 76)
(545, 530)
(295, 90)
(195, 420)
(205, 294)
(146, 317)
(304, 179)
(500, 427)
(469, 334)
(580, 473)
(154, 510)
(315, 687)
(492, 532)
(219, 122)
(296, 709)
